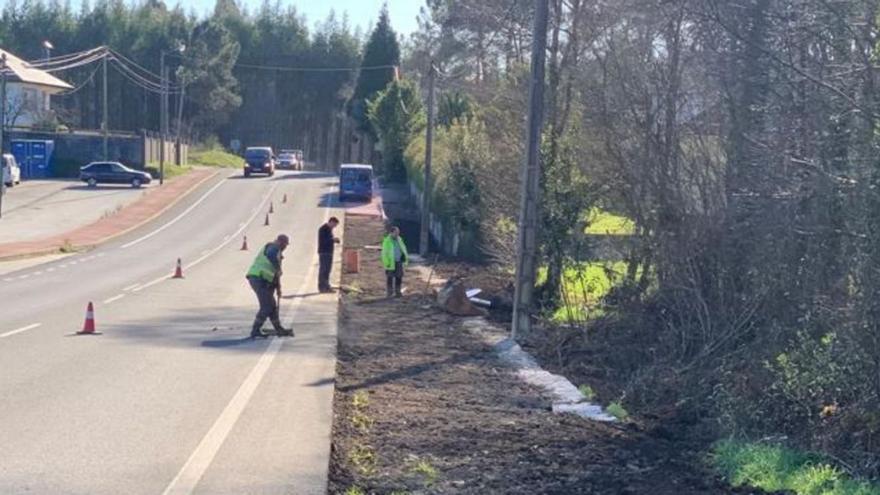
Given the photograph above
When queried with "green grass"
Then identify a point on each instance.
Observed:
(584, 285)
(774, 468)
(214, 157)
(171, 171)
(601, 222)
(587, 391)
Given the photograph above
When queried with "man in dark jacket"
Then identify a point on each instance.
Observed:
(326, 242)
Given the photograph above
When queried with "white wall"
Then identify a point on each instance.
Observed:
(26, 104)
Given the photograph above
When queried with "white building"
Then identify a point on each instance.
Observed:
(28, 92)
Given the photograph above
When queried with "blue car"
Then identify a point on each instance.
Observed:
(355, 181)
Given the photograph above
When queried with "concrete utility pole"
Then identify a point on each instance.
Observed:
(105, 124)
(530, 176)
(425, 238)
(162, 110)
(2, 125)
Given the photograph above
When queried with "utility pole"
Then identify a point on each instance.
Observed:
(105, 124)
(182, 83)
(162, 110)
(2, 126)
(425, 238)
(526, 255)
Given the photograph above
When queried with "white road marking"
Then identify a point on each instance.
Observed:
(38, 273)
(192, 471)
(132, 286)
(50, 269)
(220, 246)
(177, 218)
(22, 277)
(114, 298)
(19, 330)
(8, 279)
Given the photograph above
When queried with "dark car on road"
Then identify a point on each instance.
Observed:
(259, 160)
(112, 173)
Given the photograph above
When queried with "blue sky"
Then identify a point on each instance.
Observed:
(361, 13)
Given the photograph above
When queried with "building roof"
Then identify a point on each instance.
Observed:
(21, 71)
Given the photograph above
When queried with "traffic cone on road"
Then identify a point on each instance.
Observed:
(266, 223)
(178, 272)
(285, 198)
(244, 244)
(89, 324)
(271, 207)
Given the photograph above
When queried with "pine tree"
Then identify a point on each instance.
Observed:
(382, 49)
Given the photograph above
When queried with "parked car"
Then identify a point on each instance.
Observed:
(113, 173)
(10, 171)
(259, 160)
(355, 181)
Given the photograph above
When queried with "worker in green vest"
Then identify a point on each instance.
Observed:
(394, 258)
(264, 277)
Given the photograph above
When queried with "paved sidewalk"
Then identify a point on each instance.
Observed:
(152, 204)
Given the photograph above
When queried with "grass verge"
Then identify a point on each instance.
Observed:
(171, 171)
(214, 157)
(774, 468)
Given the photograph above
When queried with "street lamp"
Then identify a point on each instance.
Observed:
(47, 49)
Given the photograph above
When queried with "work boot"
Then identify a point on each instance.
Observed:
(284, 332)
(257, 330)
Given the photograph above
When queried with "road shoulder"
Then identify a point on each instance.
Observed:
(424, 406)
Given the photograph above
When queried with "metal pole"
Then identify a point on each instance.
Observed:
(530, 187)
(2, 126)
(424, 238)
(105, 124)
(162, 102)
(182, 83)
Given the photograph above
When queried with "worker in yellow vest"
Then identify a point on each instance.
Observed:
(264, 277)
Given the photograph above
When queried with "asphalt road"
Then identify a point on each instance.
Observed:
(172, 397)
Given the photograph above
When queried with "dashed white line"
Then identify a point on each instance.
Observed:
(38, 273)
(22, 277)
(50, 269)
(132, 286)
(220, 246)
(8, 279)
(114, 298)
(19, 330)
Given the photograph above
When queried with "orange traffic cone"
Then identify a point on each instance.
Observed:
(285, 198)
(271, 207)
(178, 272)
(266, 223)
(89, 324)
(244, 244)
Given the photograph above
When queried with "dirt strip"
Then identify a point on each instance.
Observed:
(156, 201)
(423, 406)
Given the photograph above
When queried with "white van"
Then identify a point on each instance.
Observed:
(11, 171)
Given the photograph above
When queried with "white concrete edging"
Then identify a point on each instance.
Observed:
(566, 397)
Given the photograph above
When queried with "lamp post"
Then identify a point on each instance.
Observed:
(47, 49)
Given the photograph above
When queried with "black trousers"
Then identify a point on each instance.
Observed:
(268, 306)
(394, 279)
(326, 264)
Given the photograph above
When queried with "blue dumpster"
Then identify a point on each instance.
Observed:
(34, 157)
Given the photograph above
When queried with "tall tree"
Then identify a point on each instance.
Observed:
(381, 52)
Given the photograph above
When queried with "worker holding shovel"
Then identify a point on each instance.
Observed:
(264, 278)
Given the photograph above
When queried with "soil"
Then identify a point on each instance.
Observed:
(423, 406)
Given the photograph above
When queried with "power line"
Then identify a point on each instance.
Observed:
(283, 68)
(81, 86)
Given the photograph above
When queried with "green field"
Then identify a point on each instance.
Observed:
(601, 222)
(583, 287)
